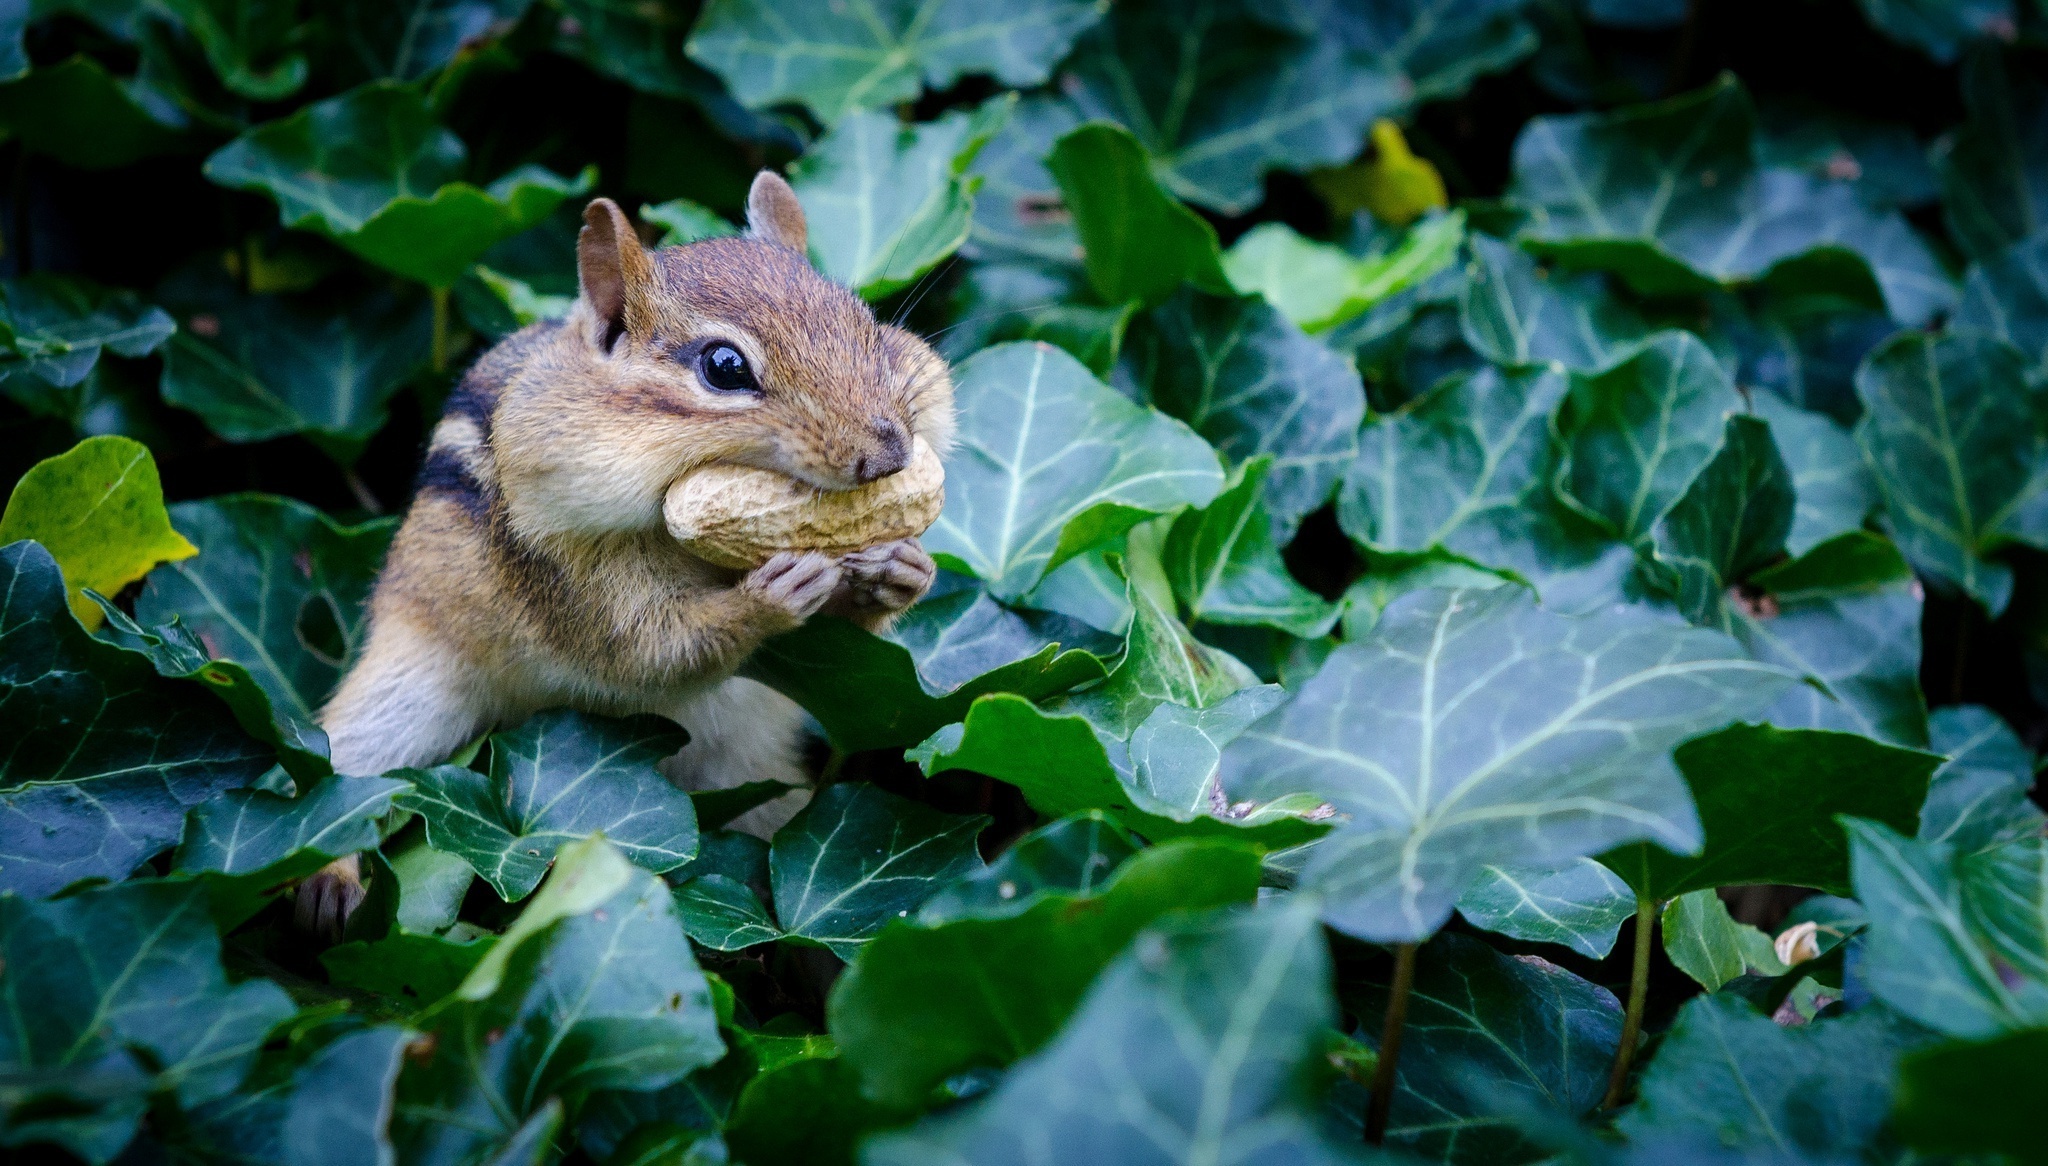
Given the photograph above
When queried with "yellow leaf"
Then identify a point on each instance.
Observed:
(99, 510)
(1394, 184)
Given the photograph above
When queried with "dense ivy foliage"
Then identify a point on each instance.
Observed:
(1494, 602)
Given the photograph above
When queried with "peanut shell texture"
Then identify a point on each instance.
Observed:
(737, 516)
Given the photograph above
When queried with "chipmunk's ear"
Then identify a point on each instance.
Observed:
(774, 214)
(615, 271)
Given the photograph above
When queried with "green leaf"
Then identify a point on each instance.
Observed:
(1019, 210)
(2007, 296)
(1440, 45)
(1732, 519)
(113, 994)
(254, 844)
(1930, 952)
(1194, 1045)
(1318, 286)
(1076, 854)
(319, 1107)
(372, 170)
(1950, 434)
(600, 992)
(1978, 799)
(1513, 312)
(724, 914)
(54, 328)
(836, 58)
(1670, 197)
(277, 587)
(1978, 1097)
(895, 688)
(1635, 435)
(1940, 29)
(102, 755)
(1705, 942)
(1029, 300)
(1492, 1041)
(858, 857)
(1220, 94)
(924, 1002)
(1833, 483)
(1253, 384)
(1138, 242)
(1581, 905)
(1847, 614)
(685, 222)
(1461, 467)
(411, 39)
(1052, 462)
(887, 202)
(236, 34)
(1543, 738)
(1767, 800)
(1226, 569)
(416, 969)
(1994, 168)
(431, 885)
(1163, 664)
(558, 777)
(99, 510)
(1727, 1076)
(83, 116)
(805, 1111)
(255, 367)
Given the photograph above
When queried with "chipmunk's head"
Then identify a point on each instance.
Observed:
(724, 351)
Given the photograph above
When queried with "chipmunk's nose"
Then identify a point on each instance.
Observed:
(891, 453)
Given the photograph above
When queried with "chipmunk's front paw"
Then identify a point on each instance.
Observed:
(328, 897)
(884, 579)
(795, 583)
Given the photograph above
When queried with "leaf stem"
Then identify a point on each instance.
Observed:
(1638, 994)
(1390, 1044)
(440, 349)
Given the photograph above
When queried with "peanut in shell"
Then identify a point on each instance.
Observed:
(740, 517)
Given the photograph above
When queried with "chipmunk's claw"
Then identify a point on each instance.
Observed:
(328, 897)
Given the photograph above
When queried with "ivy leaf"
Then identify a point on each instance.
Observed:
(111, 995)
(858, 857)
(1513, 312)
(1635, 435)
(1581, 905)
(413, 39)
(1019, 211)
(99, 510)
(1442, 46)
(372, 170)
(724, 914)
(1219, 95)
(887, 202)
(1203, 1031)
(1705, 942)
(1027, 300)
(1833, 483)
(1254, 385)
(2007, 296)
(1928, 952)
(255, 843)
(1052, 462)
(54, 328)
(1762, 828)
(923, 1003)
(236, 34)
(1225, 568)
(102, 755)
(277, 587)
(593, 987)
(1994, 168)
(685, 222)
(1492, 1040)
(255, 367)
(1137, 241)
(836, 58)
(1973, 1097)
(1940, 30)
(404, 966)
(805, 1107)
(1558, 745)
(1732, 519)
(81, 115)
(1950, 434)
(1670, 197)
(1076, 854)
(557, 777)
(310, 1107)
(1460, 467)
(894, 689)
(1727, 1076)
(1163, 664)
(1978, 798)
(1318, 286)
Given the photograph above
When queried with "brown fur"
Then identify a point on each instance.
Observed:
(533, 568)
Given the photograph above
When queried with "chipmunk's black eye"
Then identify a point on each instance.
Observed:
(723, 368)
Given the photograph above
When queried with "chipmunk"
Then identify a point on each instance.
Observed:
(533, 568)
